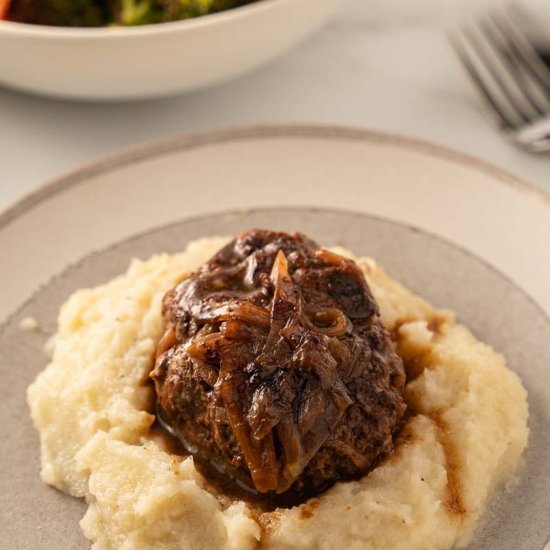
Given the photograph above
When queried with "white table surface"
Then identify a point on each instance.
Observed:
(381, 64)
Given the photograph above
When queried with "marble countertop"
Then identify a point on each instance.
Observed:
(380, 64)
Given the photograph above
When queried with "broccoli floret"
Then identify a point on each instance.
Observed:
(95, 13)
(67, 13)
(194, 8)
(185, 9)
(139, 12)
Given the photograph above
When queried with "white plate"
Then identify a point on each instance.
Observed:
(162, 192)
(116, 63)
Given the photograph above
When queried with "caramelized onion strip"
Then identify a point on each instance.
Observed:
(333, 322)
(313, 406)
(265, 413)
(340, 395)
(199, 348)
(339, 261)
(289, 437)
(167, 341)
(241, 311)
(259, 454)
(311, 443)
(235, 330)
(285, 302)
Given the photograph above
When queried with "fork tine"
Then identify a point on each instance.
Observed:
(500, 77)
(523, 80)
(520, 44)
(493, 105)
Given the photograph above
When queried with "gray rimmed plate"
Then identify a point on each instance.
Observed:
(496, 309)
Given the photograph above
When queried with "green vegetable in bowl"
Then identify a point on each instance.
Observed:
(95, 13)
(137, 12)
(140, 12)
(74, 13)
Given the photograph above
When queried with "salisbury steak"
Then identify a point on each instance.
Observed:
(275, 371)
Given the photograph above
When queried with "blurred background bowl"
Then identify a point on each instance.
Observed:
(119, 63)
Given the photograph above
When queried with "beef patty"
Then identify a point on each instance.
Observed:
(275, 371)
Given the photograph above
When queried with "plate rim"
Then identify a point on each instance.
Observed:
(187, 141)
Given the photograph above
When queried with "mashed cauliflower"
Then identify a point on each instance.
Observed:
(464, 438)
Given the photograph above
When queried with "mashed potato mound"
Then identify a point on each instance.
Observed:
(465, 435)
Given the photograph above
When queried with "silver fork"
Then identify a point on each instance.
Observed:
(510, 76)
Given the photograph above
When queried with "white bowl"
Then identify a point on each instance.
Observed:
(116, 63)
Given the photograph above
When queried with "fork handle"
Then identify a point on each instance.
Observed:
(536, 136)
